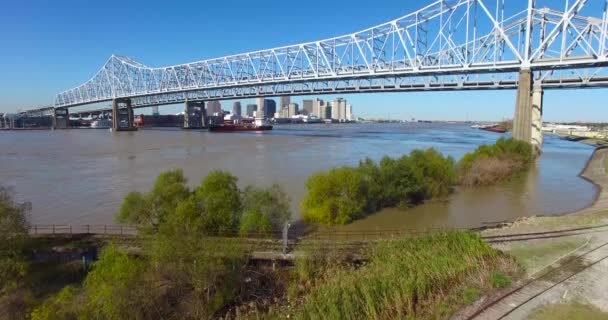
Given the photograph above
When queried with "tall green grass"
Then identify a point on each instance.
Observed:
(413, 277)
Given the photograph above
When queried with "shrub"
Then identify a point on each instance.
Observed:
(490, 164)
(336, 197)
(111, 284)
(13, 237)
(264, 209)
(342, 195)
(254, 222)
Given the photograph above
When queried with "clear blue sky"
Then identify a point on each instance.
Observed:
(49, 46)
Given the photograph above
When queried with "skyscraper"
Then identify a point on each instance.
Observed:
(325, 112)
(251, 108)
(307, 106)
(317, 104)
(293, 109)
(236, 108)
(284, 102)
(270, 107)
(349, 112)
(214, 108)
(338, 109)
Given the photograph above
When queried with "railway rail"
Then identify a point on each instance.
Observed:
(511, 301)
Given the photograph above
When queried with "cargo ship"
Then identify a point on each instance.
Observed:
(259, 124)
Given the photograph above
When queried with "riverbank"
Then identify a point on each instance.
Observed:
(596, 213)
(583, 254)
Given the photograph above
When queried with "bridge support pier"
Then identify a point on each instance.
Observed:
(195, 116)
(527, 123)
(122, 115)
(61, 118)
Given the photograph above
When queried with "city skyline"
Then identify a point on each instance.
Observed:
(59, 66)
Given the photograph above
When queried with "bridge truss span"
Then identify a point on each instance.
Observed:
(448, 44)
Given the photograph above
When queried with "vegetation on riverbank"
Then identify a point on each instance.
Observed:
(490, 164)
(423, 277)
(216, 207)
(342, 195)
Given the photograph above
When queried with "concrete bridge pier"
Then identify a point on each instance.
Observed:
(195, 115)
(61, 118)
(122, 115)
(528, 121)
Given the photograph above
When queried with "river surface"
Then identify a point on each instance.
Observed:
(81, 176)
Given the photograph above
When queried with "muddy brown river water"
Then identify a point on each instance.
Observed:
(81, 176)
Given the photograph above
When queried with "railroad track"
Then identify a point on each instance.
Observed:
(545, 234)
(510, 302)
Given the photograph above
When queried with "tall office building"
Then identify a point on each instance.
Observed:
(293, 109)
(317, 104)
(338, 108)
(236, 108)
(251, 108)
(270, 107)
(325, 112)
(284, 102)
(349, 112)
(261, 107)
(307, 106)
(214, 108)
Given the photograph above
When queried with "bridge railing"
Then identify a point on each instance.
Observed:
(100, 229)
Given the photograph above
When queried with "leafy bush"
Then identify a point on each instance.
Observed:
(265, 210)
(490, 164)
(336, 197)
(13, 237)
(111, 285)
(342, 195)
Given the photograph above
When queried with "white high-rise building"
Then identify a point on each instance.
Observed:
(349, 112)
(316, 107)
(338, 109)
(293, 109)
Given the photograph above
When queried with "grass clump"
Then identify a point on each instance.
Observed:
(344, 194)
(415, 277)
(569, 311)
(490, 164)
(500, 280)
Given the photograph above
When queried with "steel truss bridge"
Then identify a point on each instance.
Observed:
(447, 45)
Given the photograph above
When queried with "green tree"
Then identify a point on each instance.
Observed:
(13, 238)
(150, 210)
(338, 196)
(218, 201)
(264, 209)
